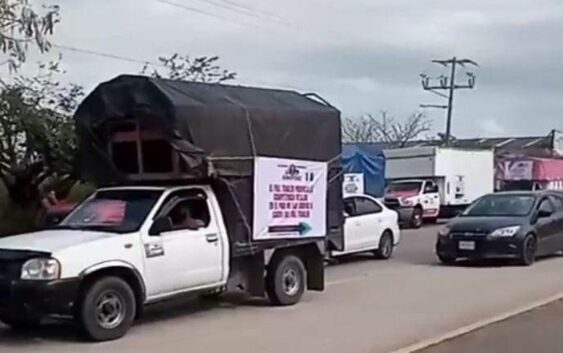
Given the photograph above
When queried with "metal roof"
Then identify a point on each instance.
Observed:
(540, 145)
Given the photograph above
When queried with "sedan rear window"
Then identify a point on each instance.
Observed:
(501, 206)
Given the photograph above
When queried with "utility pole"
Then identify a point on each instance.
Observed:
(448, 84)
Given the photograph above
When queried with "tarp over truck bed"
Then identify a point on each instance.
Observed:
(368, 161)
(217, 130)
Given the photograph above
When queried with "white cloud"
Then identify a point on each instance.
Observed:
(363, 55)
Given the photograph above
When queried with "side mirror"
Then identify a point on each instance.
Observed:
(544, 214)
(160, 225)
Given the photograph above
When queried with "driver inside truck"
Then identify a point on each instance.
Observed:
(182, 218)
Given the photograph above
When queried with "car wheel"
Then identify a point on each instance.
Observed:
(385, 249)
(528, 250)
(108, 309)
(285, 281)
(446, 260)
(416, 220)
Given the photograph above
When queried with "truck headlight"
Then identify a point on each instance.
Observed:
(505, 232)
(406, 202)
(41, 270)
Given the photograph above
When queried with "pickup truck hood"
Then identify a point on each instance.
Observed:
(401, 194)
(50, 240)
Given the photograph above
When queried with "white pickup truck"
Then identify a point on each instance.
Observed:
(127, 247)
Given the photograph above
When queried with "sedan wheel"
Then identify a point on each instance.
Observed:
(528, 250)
(385, 246)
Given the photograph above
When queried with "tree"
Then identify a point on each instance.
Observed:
(385, 128)
(20, 26)
(200, 69)
(37, 140)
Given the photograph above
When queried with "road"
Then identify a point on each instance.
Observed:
(368, 306)
(535, 331)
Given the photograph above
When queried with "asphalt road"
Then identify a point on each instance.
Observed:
(535, 331)
(368, 306)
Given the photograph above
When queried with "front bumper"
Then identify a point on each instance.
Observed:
(405, 213)
(484, 247)
(38, 298)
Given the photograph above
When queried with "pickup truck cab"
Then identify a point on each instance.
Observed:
(124, 248)
(416, 201)
(369, 227)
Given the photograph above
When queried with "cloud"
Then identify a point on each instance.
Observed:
(362, 55)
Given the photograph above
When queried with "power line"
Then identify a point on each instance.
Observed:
(226, 6)
(201, 12)
(448, 83)
(106, 55)
(245, 10)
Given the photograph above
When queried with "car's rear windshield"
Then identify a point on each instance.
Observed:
(501, 206)
(119, 211)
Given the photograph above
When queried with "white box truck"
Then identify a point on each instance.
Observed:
(424, 183)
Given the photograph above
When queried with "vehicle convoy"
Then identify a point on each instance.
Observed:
(369, 227)
(425, 183)
(204, 188)
(518, 225)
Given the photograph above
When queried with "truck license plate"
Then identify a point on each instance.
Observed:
(466, 245)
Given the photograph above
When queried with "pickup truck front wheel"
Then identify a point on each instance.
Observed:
(108, 309)
(285, 281)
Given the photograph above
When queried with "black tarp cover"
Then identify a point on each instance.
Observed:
(220, 127)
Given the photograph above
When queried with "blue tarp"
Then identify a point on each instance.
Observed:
(369, 160)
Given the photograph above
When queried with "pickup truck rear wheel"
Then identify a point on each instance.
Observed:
(108, 309)
(285, 281)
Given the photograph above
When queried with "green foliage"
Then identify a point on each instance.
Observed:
(80, 192)
(21, 25)
(37, 139)
(184, 68)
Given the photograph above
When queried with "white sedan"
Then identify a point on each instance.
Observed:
(369, 227)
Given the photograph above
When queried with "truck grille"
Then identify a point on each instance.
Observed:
(468, 235)
(392, 203)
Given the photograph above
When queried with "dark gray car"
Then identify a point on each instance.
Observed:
(520, 225)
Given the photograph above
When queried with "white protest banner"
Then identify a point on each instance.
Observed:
(289, 198)
(518, 170)
(353, 184)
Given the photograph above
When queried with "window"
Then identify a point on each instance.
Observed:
(349, 208)
(187, 209)
(430, 187)
(499, 205)
(189, 214)
(557, 203)
(546, 206)
(119, 211)
(365, 206)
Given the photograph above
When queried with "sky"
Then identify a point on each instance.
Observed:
(363, 56)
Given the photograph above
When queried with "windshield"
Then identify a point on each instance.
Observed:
(413, 187)
(501, 205)
(119, 211)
